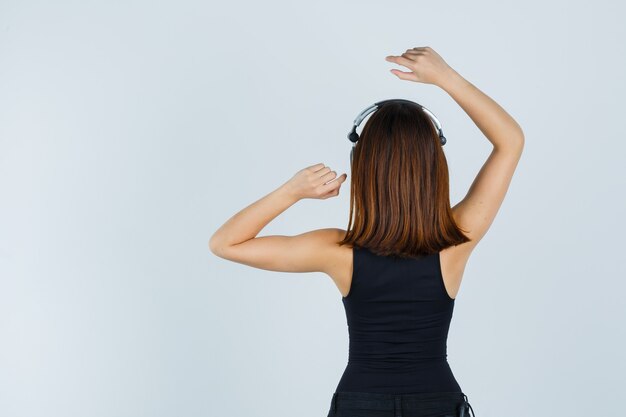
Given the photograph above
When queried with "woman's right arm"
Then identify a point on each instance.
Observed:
(476, 212)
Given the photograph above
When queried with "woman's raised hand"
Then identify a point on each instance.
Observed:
(426, 65)
(316, 181)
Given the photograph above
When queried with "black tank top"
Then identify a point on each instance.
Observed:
(398, 314)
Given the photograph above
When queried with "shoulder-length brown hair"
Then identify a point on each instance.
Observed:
(399, 191)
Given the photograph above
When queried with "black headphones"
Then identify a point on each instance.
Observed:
(354, 137)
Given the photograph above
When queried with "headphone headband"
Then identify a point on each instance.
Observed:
(354, 137)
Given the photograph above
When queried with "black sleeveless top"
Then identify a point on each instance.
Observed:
(398, 314)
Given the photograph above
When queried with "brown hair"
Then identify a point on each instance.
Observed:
(399, 191)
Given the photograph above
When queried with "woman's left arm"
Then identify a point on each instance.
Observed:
(236, 239)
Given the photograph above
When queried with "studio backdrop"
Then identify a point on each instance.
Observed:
(130, 131)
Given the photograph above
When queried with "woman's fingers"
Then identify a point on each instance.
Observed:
(425, 64)
(405, 61)
(330, 175)
(400, 60)
(332, 188)
(316, 167)
(315, 181)
(403, 74)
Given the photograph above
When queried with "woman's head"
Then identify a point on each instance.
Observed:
(399, 193)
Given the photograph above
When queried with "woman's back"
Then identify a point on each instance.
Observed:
(398, 314)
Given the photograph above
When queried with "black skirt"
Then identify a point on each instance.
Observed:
(430, 404)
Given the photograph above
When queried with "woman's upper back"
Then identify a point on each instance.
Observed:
(398, 310)
(450, 264)
(376, 277)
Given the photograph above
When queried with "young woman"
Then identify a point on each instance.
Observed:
(400, 263)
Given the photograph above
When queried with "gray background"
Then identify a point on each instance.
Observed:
(130, 131)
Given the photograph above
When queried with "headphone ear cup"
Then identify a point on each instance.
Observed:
(353, 136)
